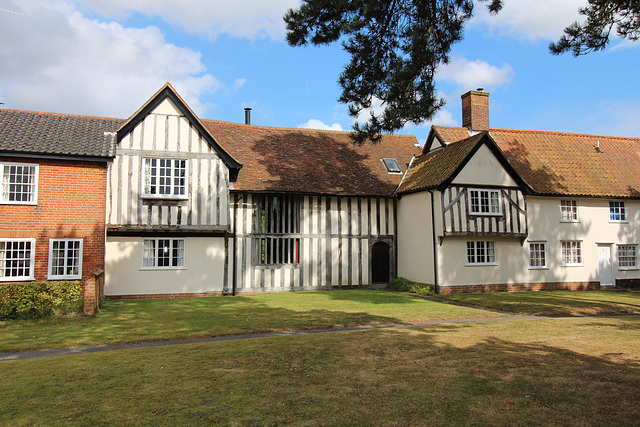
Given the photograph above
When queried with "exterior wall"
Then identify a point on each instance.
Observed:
(484, 167)
(336, 236)
(166, 133)
(203, 271)
(512, 270)
(415, 238)
(70, 204)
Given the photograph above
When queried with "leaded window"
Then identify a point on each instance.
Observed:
(277, 230)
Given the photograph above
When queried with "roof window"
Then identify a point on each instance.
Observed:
(392, 165)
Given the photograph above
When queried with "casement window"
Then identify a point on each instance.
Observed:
(19, 183)
(481, 252)
(277, 230)
(538, 254)
(627, 258)
(162, 253)
(65, 259)
(571, 252)
(16, 259)
(617, 211)
(569, 210)
(164, 178)
(484, 202)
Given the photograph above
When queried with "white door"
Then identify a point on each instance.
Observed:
(604, 262)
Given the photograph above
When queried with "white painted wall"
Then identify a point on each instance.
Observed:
(203, 270)
(415, 238)
(484, 169)
(545, 224)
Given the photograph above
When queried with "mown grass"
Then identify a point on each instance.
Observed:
(554, 303)
(581, 371)
(128, 321)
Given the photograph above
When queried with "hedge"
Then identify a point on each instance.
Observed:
(38, 299)
(405, 285)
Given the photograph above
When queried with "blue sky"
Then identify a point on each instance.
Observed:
(107, 57)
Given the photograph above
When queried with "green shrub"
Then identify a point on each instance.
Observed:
(38, 299)
(405, 285)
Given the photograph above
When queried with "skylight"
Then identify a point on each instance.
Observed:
(392, 165)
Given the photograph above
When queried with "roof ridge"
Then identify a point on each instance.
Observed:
(345, 132)
(49, 113)
(563, 133)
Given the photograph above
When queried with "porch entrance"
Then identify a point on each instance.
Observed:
(380, 262)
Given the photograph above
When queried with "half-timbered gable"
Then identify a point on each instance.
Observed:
(168, 205)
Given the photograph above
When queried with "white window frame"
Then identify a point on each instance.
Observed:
(150, 255)
(66, 260)
(571, 253)
(617, 208)
(477, 208)
(569, 211)
(4, 191)
(147, 177)
(538, 253)
(473, 248)
(621, 253)
(3, 260)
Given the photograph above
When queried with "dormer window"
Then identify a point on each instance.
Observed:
(392, 165)
(165, 178)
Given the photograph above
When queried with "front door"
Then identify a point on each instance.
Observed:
(604, 263)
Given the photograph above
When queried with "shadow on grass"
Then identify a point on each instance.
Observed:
(556, 302)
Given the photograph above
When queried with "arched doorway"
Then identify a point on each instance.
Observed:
(380, 262)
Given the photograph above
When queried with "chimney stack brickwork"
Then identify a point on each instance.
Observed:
(475, 110)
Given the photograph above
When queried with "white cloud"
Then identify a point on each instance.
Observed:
(237, 18)
(318, 124)
(531, 19)
(56, 59)
(473, 74)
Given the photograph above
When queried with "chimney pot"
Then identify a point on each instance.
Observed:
(475, 110)
(247, 116)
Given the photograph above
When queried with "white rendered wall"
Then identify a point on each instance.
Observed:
(203, 270)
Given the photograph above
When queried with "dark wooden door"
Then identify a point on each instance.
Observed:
(380, 262)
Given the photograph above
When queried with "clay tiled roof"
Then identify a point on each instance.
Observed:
(568, 164)
(26, 132)
(432, 169)
(449, 134)
(311, 161)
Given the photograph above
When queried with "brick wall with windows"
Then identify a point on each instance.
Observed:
(71, 203)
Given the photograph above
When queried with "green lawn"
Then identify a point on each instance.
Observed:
(573, 372)
(128, 321)
(554, 303)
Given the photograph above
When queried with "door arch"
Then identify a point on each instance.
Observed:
(380, 262)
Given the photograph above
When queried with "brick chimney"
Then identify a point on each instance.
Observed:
(475, 110)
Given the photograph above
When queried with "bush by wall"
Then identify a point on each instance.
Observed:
(38, 299)
(404, 285)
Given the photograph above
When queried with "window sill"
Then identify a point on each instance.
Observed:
(485, 214)
(16, 279)
(64, 277)
(570, 221)
(163, 197)
(615, 221)
(628, 268)
(538, 268)
(161, 268)
(20, 203)
(571, 265)
(489, 264)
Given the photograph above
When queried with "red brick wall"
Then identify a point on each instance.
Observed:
(71, 204)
